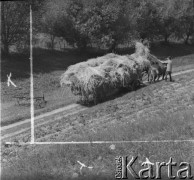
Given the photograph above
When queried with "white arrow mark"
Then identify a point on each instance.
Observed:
(10, 81)
(83, 165)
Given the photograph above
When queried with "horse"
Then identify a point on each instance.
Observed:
(161, 69)
(153, 73)
(156, 70)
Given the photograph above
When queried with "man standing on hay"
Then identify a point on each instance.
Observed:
(168, 62)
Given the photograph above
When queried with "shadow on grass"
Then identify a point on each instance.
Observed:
(46, 61)
(119, 93)
(60, 161)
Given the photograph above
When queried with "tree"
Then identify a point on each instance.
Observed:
(102, 23)
(55, 23)
(76, 18)
(166, 18)
(48, 27)
(186, 29)
(119, 22)
(147, 20)
(172, 15)
(185, 20)
(167, 27)
(14, 23)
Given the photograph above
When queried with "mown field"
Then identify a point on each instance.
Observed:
(49, 65)
(161, 111)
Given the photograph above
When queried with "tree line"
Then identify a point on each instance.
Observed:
(99, 23)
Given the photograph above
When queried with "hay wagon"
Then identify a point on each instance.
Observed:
(99, 78)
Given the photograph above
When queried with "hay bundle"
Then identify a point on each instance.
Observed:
(82, 77)
(141, 50)
(94, 62)
(98, 77)
(141, 58)
(92, 80)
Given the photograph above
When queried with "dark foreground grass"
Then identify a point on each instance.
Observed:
(60, 161)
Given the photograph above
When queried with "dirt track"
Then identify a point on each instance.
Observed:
(10, 131)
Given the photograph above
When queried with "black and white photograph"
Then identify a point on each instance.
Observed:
(97, 89)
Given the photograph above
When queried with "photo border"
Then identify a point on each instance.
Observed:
(32, 127)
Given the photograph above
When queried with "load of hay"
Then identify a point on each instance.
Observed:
(141, 56)
(99, 77)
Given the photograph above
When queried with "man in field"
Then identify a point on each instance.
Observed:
(169, 68)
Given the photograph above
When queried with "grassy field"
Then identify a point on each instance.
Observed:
(60, 161)
(49, 65)
(162, 104)
(161, 111)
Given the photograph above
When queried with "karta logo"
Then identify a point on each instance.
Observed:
(124, 167)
